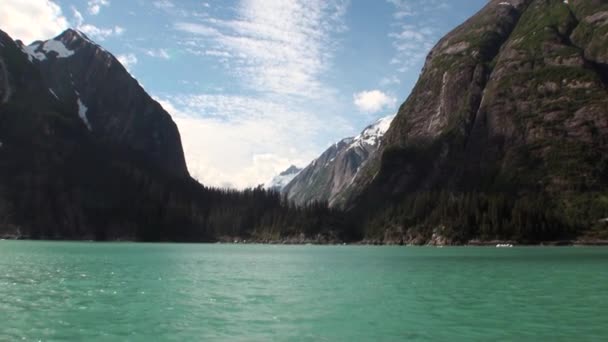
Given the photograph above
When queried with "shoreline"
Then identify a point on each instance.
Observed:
(296, 242)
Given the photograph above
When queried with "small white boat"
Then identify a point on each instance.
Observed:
(504, 245)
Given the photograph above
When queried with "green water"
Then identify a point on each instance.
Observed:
(141, 292)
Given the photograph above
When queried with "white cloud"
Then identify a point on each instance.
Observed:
(279, 53)
(163, 4)
(373, 101)
(243, 141)
(32, 20)
(94, 6)
(78, 18)
(158, 53)
(127, 60)
(94, 32)
(197, 29)
(100, 33)
(412, 37)
(390, 80)
(287, 56)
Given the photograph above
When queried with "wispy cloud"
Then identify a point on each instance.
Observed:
(278, 52)
(158, 53)
(275, 46)
(241, 141)
(412, 37)
(100, 33)
(390, 80)
(96, 33)
(127, 60)
(373, 101)
(197, 29)
(94, 6)
(163, 4)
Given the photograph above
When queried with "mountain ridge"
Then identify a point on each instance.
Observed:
(333, 171)
(111, 103)
(86, 154)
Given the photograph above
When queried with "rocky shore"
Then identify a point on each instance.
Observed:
(391, 237)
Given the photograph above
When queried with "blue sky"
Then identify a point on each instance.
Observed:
(258, 85)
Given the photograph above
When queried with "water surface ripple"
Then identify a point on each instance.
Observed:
(57, 291)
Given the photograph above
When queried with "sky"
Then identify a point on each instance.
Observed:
(257, 85)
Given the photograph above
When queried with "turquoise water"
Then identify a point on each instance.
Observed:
(55, 291)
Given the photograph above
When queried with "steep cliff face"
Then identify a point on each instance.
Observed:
(63, 172)
(543, 122)
(327, 176)
(443, 104)
(111, 103)
(512, 102)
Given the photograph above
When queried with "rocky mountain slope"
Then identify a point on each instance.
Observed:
(336, 168)
(509, 117)
(113, 106)
(85, 153)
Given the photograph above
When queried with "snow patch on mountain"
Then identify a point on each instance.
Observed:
(57, 47)
(82, 113)
(284, 178)
(31, 52)
(372, 134)
(53, 93)
(336, 168)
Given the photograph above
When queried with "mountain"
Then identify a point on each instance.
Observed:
(85, 153)
(336, 168)
(280, 181)
(84, 77)
(505, 134)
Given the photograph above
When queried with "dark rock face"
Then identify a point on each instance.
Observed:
(327, 176)
(512, 101)
(103, 172)
(86, 77)
(444, 100)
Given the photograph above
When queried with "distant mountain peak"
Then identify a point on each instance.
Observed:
(64, 45)
(372, 134)
(71, 36)
(280, 181)
(334, 170)
(290, 171)
(52, 48)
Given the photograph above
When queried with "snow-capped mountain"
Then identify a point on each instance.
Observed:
(281, 180)
(110, 103)
(85, 148)
(331, 173)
